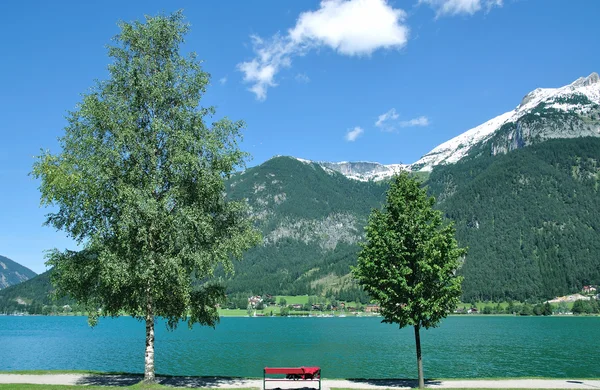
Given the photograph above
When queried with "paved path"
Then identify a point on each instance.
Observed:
(235, 383)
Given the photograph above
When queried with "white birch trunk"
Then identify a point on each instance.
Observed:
(149, 356)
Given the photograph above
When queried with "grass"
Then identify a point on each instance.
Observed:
(137, 386)
(293, 299)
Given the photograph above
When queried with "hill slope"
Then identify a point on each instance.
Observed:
(311, 219)
(29, 296)
(531, 218)
(12, 272)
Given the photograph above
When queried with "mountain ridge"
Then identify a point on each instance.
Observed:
(12, 273)
(578, 101)
(578, 98)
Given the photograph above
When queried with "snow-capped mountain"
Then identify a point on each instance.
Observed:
(580, 98)
(360, 170)
(567, 112)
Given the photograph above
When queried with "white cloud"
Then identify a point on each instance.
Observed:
(302, 78)
(353, 134)
(350, 27)
(389, 121)
(271, 57)
(223, 80)
(355, 27)
(384, 121)
(421, 121)
(460, 7)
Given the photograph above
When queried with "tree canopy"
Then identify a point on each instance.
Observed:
(139, 184)
(409, 260)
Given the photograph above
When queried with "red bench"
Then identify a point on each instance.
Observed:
(291, 374)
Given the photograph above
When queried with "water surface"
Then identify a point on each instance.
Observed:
(462, 347)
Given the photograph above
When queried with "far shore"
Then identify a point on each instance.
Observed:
(236, 315)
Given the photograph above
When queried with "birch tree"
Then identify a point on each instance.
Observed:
(139, 184)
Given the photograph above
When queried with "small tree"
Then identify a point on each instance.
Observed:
(547, 310)
(139, 184)
(409, 259)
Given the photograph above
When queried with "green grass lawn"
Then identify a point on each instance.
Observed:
(458, 388)
(138, 386)
(293, 299)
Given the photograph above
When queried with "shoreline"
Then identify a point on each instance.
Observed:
(324, 316)
(108, 379)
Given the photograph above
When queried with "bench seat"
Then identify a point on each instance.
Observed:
(292, 374)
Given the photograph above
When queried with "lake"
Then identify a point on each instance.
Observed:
(462, 347)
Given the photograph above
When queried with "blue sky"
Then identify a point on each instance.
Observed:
(335, 80)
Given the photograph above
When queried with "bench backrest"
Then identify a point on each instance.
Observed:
(284, 370)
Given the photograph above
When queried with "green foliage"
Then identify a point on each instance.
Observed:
(576, 98)
(581, 306)
(36, 293)
(530, 219)
(311, 220)
(526, 310)
(139, 183)
(409, 259)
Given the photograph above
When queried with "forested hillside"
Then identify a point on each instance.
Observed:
(531, 218)
(311, 219)
(30, 296)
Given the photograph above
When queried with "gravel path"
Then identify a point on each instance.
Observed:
(235, 383)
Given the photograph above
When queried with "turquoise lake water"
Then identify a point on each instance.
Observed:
(462, 347)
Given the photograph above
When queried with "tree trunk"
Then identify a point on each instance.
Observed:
(149, 357)
(419, 358)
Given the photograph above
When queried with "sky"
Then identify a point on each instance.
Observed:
(337, 80)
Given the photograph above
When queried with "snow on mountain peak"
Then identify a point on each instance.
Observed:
(456, 148)
(359, 170)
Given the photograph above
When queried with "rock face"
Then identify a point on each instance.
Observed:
(359, 170)
(12, 273)
(363, 170)
(311, 216)
(546, 113)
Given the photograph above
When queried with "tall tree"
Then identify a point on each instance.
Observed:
(409, 260)
(139, 184)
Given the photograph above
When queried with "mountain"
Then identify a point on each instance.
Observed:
(30, 296)
(311, 218)
(509, 185)
(571, 111)
(530, 218)
(522, 190)
(13, 273)
(361, 170)
(546, 113)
